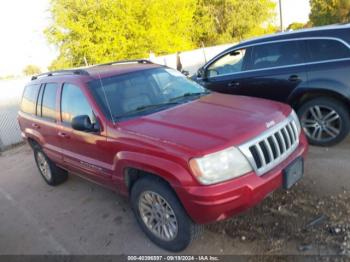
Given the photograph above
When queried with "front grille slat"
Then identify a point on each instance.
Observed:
(271, 148)
(291, 134)
(261, 155)
(276, 144)
(283, 142)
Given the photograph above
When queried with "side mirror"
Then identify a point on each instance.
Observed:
(186, 73)
(83, 123)
(201, 73)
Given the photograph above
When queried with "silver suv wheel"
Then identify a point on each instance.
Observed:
(44, 166)
(158, 215)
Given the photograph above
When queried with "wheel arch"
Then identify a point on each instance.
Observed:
(297, 99)
(132, 166)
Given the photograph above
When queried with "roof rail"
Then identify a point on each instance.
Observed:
(62, 72)
(139, 61)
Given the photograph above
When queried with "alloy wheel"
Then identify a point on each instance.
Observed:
(321, 123)
(158, 215)
(44, 166)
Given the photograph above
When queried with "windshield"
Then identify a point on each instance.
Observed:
(144, 92)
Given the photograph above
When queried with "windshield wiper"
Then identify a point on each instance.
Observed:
(145, 107)
(190, 95)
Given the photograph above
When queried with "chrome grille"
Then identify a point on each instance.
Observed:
(272, 147)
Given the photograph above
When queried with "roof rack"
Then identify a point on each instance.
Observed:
(139, 61)
(62, 72)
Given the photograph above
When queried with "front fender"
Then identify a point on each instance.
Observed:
(175, 174)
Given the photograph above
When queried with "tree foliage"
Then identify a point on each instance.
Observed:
(296, 26)
(329, 12)
(30, 70)
(107, 30)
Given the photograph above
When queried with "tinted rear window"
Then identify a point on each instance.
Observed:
(321, 50)
(49, 101)
(276, 54)
(29, 98)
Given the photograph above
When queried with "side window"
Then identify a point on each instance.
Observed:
(276, 54)
(48, 109)
(29, 98)
(324, 49)
(74, 103)
(230, 63)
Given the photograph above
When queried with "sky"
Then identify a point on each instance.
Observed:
(294, 11)
(22, 23)
(22, 39)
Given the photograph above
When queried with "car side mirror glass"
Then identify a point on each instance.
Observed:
(186, 73)
(201, 73)
(83, 123)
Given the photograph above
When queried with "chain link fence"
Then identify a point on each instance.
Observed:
(10, 96)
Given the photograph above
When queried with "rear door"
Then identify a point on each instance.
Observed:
(46, 121)
(329, 63)
(276, 70)
(83, 152)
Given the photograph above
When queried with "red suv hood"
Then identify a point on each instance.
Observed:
(210, 123)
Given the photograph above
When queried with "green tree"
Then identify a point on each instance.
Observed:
(30, 70)
(329, 12)
(296, 26)
(222, 21)
(107, 30)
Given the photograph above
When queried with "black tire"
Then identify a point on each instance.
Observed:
(57, 175)
(187, 231)
(342, 123)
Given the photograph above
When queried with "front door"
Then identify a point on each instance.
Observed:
(227, 74)
(83, 152)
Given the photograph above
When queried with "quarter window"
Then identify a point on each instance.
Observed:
(230, 63)
(326, 49)
(74, 103)
(30, 95)
(48, 109)
(276, 54)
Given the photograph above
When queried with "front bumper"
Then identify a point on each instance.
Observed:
(206, 204)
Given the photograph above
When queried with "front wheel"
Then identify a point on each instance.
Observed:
(161, 216)
(325, 121)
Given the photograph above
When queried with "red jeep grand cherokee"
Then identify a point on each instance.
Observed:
(185, 156)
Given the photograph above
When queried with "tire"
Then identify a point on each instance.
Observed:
(186, 232)
(52, 174)
(321, 126)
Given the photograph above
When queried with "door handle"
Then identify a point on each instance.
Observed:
(233, 84)
(63, 135)
(294, 78)
(36, 126)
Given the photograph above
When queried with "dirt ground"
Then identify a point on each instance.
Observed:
(79, 217)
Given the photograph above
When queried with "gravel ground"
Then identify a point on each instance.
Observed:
(79, 217)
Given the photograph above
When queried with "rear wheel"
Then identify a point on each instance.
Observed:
(161, 216)
(52, 174)
(325, 121)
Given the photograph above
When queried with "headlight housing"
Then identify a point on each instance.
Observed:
(220, 166)
(296, 121)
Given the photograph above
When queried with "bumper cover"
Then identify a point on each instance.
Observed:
(206, 204)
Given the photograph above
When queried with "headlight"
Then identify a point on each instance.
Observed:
(296, 121)
(220, 166)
